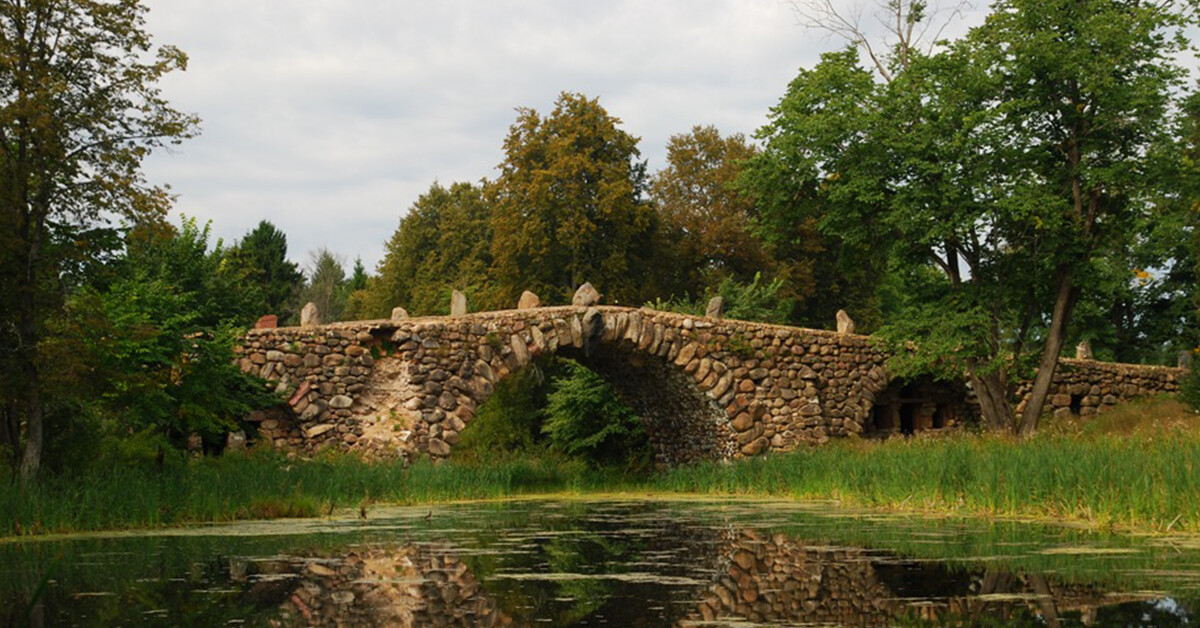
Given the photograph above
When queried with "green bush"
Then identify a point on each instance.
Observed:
(585, 419)
(754, 301)
(555, 409)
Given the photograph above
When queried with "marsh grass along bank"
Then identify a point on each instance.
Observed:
(1134, 468)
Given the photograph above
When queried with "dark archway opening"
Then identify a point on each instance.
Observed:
(920, 405)
(640, 410)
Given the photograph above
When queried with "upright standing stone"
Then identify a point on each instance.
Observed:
(399, 313)
(844, 322)
(1185, 360)
(235, 441)
(716, 308)
(1083, 351)
(458, 304)
(310, 316)
(586, 296)
(270, 321)
(528, 301)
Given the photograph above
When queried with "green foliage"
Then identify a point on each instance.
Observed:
(443, 243)
(159, 343)
(753, 301)
(81, 109)
(814, 137)
(1020, 162)
(707, 224)
(508, 425)
(326, 286)
(555, 409)
(261, 257)
(586, 419)
(568, 207)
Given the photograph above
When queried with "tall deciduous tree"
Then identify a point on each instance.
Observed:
(815, 137)
(1014, 163)
(79, 111)
(570, 207)
(708, 222)
(442, 244)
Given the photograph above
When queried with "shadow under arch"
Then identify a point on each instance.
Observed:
(682, 423)
(909, 406)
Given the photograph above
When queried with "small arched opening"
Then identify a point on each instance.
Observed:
(920, 405)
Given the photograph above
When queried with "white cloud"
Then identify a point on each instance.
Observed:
(329, 118)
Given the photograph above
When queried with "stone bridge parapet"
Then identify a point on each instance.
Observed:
(705, 388)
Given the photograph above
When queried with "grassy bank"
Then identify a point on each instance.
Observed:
(1116, 472)
(1138, 466)
(263, 485)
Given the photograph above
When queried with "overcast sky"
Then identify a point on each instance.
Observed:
(330, 117)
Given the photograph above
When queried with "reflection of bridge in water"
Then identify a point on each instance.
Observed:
(751, 577)
(705, 388)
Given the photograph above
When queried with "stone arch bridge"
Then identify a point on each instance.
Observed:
(705, 388)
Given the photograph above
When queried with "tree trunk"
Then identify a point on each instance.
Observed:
(1066, 294)
(31, 458)
(992, 391)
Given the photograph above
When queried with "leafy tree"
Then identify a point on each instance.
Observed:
(708, 222)
(356, 292)
(326, 285)
(442, 244)
(262, 256)
(1015, 163)
(569, 207)
(79, 111)
(814, 137)
(586, 419)
(159, 340)
(753, 301)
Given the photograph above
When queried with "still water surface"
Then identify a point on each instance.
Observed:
(605, 563)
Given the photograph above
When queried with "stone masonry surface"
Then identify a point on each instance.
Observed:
(705, 388)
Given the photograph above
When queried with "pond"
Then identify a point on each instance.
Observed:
(617, 562)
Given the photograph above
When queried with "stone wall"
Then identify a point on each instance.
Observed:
(1087, 387)
(705, 388)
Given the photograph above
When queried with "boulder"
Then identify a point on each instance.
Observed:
(458, 304)
(586, 296)
(1083, 351)
(310, 316)
(1185, 360)
(528, 301)
(270, 321)
(845, 324)
(399, 313)
(235, 441)
(716, 308)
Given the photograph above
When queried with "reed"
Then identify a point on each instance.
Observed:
(1112, 471)
(1138, 467)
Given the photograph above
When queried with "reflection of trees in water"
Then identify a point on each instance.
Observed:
(757, 577)
(571, 568)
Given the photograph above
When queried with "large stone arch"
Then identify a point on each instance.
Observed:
(433, 376)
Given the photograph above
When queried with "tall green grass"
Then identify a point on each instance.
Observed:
(1109, 480)
(264, 485)
(1137, 467)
